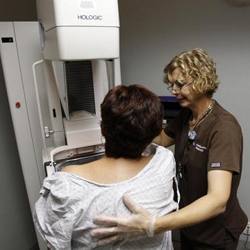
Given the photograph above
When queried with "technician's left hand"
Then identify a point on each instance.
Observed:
(114, 230)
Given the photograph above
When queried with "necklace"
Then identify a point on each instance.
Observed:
(191, 133)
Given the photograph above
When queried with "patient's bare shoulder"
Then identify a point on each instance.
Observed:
(70, 169)
(82, 169)
(76, 169)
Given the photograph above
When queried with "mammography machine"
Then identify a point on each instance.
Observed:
(57, 72)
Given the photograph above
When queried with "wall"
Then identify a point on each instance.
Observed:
(16, 228)
(152, 32)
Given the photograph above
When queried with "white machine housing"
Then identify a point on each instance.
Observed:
(79, 29)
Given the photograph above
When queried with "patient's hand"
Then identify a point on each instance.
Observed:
(113, 229)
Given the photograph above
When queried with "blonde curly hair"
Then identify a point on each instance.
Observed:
(197, 65)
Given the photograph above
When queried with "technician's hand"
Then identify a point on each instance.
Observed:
(114, 230)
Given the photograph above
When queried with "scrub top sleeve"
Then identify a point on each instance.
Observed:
(169, 130)
(225, 148)
(55, 212)
(172, 127)
(175, 125)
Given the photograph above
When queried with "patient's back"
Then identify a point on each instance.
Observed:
(109, 170)
(70, 201)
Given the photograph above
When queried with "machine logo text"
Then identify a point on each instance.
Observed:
(90, 17)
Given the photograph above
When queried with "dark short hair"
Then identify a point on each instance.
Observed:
(131, 119)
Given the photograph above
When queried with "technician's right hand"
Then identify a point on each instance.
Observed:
(113, 230)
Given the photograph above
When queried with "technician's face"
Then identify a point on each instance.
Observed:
(180, 86)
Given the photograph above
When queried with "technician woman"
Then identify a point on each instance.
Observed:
(208, 152)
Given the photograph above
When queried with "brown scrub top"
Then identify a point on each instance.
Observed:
(218, 145)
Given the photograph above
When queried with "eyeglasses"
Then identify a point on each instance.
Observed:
(179, 85)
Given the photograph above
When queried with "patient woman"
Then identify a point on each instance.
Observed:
(70, 199)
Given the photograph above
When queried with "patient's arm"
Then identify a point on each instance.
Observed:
(53, 214)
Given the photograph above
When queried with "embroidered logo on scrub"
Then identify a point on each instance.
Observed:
(215, 165)
(199, 147)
